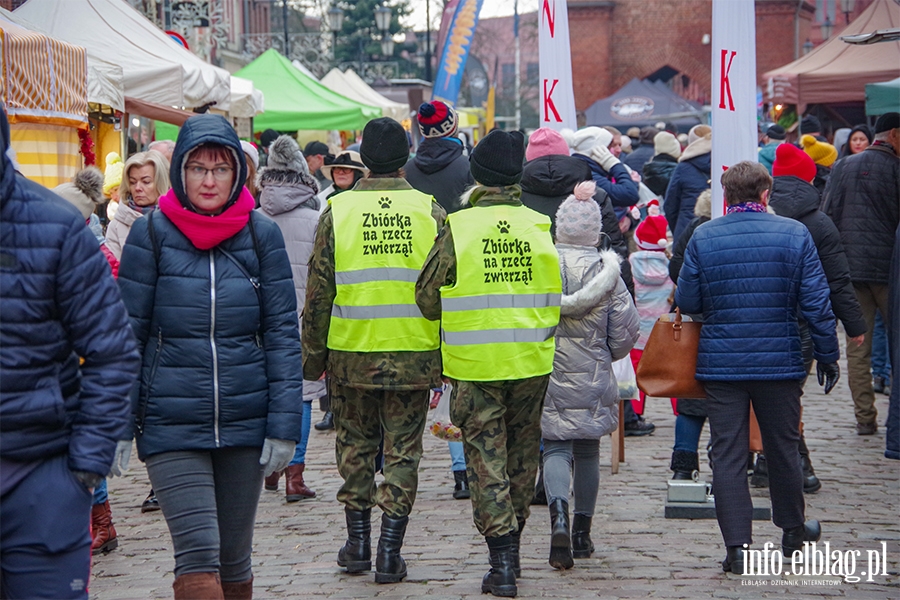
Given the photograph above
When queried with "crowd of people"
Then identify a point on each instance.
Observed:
(235, 284)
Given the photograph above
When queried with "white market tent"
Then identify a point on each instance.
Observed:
(302, 68)
(156, 68)
(104, 79)
(352, 86)
(246, 100)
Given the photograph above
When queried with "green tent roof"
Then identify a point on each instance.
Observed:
(295, 101)
(883, 97)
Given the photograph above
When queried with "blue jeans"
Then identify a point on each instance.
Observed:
(457, 456)
(100, 495)
(300, 452)
(880, 365)
(687, 432)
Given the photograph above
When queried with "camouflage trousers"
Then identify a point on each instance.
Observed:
(501, 428)
(361, 418)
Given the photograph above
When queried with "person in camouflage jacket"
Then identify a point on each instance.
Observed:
(500, 420)
(375, 395)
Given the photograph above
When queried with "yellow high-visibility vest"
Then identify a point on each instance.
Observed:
(381, 240)
(499, 319)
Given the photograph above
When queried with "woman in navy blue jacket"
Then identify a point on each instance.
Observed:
(751, 275)
(209, 291)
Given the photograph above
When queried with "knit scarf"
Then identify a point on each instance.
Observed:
(208, 231)
(746, 207)
(144, 210)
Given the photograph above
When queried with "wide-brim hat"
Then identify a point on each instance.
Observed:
(348, 159)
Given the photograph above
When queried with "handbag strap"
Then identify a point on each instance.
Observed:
(677, 326)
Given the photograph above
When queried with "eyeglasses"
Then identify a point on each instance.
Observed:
(196, 173)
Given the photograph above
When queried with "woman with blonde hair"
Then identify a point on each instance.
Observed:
(144, 180)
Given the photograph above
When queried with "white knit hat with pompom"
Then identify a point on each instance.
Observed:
(578, 220)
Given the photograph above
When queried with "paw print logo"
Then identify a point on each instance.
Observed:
(385, 202)
(503, 226)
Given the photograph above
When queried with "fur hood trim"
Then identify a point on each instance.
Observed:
(703, 207)
(594, 291)
(270, 176)
(698, 148)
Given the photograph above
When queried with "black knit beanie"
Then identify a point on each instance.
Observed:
(384, 147)
(498, 158)
(887, 121)
(810, 124)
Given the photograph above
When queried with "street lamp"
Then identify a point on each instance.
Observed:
(827, 26)
(387, 47)
(383, 19)
(335, 23)
(847, 8)
(807, 46)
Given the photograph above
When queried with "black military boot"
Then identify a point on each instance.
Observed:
(327, 421)
(582, 546)
(501, 579)
(516, 546)
(811, 483)
(356, 554)
(389, 565)
(760, 477)
(461, 489)
(684, 463)
(560, 538)
(792, 539)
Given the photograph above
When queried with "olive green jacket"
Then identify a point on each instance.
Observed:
(361, 370)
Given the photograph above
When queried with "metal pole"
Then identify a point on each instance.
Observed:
(518, 66)
(284, 17)
(427, 40)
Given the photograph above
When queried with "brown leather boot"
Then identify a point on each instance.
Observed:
(198, 586)
(103, 533)
(294, 487)
(238, 590)
(271, 482)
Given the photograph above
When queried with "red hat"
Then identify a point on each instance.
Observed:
(791, 160)
(544, 142)
(651, 233)
(436, 119)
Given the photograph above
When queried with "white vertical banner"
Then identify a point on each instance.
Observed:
(557, 97)
(734, 137)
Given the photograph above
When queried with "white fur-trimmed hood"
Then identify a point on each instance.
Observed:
(599, 287)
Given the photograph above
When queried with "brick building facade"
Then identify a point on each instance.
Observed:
(614, 41)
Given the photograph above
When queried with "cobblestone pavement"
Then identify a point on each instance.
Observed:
(639, 552)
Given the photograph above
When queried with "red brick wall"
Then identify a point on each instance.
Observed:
(590, 35)
(613, 42)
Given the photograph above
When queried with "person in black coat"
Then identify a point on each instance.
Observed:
(793, 196)
(658, 171)
(67, 362)
(208, 285)
(440, 167)
(550, 175)
(691, 411)
(862, 197)
(690, 178)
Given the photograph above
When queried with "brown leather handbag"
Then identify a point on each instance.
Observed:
(669, 361)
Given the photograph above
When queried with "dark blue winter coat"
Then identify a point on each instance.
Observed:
(624, 192)
(689, 179)
(218, 369)
(751, 275)
(59, 302)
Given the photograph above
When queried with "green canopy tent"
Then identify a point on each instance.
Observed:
(883, 97)
(295, 101)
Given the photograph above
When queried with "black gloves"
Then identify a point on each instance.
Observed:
(828, 375)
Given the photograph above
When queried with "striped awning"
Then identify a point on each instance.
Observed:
(43, 80)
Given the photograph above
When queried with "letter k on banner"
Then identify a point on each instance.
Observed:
(557, 97)
(734, 90)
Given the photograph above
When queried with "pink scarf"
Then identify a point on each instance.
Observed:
(208, 231)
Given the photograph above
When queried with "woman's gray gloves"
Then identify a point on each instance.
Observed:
(276, 454)
(121, 458)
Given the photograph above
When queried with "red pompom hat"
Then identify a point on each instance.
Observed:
(436, 119)
(791, 160)
(651, 233)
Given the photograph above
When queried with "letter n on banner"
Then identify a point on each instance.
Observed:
(557, 95)
(734, 90)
